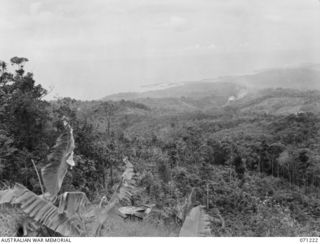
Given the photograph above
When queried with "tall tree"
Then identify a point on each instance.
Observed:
(24, 116)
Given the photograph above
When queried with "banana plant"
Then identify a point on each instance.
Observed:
(184, 209)
(41, 211)
(123, 192)
(40, 208)
(59, 159)
(75, 215)
(197, 223)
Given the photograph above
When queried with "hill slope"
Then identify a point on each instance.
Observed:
(278, 101)
(259, 88)
(303, 78)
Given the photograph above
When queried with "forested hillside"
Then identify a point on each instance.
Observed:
(295, 88)
(252, 161)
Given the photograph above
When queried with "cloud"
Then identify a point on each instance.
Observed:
(212, 46)
(63, 38)
(156, 8)
(274, 18)
(175, 23)
(35, 7)
(198, 48)
(178, 23)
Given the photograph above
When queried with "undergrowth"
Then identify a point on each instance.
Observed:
(10, 221)
(116, 227)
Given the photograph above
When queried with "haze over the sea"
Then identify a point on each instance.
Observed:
(89, 49)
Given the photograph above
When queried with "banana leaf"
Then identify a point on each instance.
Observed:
(58, 160)
(197, 223)
(42, 211)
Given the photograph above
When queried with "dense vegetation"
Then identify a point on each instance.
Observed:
(257, 173)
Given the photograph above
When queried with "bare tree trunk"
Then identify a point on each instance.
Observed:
(207, 196)
(260, 166)
(39, 179)
(108, 125)
(290, 176)
(104, 181)
(111, 174)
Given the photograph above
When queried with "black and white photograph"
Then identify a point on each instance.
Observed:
(159, 118)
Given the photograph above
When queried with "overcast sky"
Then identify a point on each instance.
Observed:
(89, 49)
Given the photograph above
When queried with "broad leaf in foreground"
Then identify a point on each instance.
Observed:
(140, 211)
(197, 223)
(72, 203)
(126, 187)
(123, 192)
(42, 211)
(58, 160)
(187, 206)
